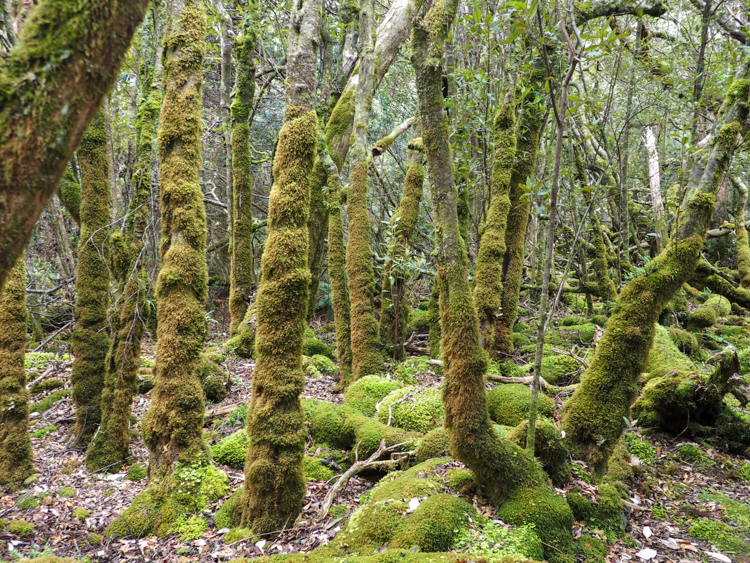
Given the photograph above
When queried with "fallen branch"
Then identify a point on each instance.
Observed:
(218, 411)
(570, 353)
(358, 466)
(58, 331)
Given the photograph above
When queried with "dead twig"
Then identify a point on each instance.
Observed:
(570, 353)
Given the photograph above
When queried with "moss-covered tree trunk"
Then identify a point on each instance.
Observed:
(90, 336)
(593, 417)
(488, 287)
(111, 445)
(241, 281)
(394, 316)
(740, 231)
(366, 356)
(173, 425)
(74, 51)
(16, 459)
(274, 483)
(531, 123)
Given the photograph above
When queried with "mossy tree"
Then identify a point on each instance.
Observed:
(241, 282)
(366, 356)
(111, 445)
(173, 425)
(74, 50)
(16, 458)
(740, 231)
(90, 337)
(274, 481)
(488, 287)
(593, 417)
(394, 316)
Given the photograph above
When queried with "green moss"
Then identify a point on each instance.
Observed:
(137, 472)
(550, 515)
(434, 525)
(721, 535)
(81, 514)
(47, 385)
(685, 341)
(590, 549)
(724, 307)
(619, 469)
(690, 453)
(20, 528)
(94, 539)
(28, 502)
(237, 534)
(549, 448)
(42, 432)
(367, 391)
(37, 360)
(232, 450)
(328, 423)
(509, 404)
(702, 318)
(90, 338)
(315, 347)
(418, 321)
(324, 364)
(230, 512)
(557, 369)
(420, 410)
(408, 370)
(314, 470)
(242, 344)
(214, 381)
(576, 334)
(494, 542)
(66, 492)
(189, 528)
(520, 339)
(435, 443)
(368, 433)
(48, 402)
(642, 450)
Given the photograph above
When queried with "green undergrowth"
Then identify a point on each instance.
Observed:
(410, 408)
(365, 393)
(48, 402)
(509, 404)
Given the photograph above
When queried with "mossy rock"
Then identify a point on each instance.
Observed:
(707, 314)
(436, 443)
(327, 423)
(242, 344)
(690, 453)
(216, 382)
(368, 434)
(232, 450)
(314, 470)
(685, 341)
(590, 549)
(549, 448)
(20, 528)
(557, 369)
(415, 409)
(145, 382)
(509, 404)
(434, 525)
(575, 334)
(229, 514)
(722, 304)
(314, 347)
(550, 515)
(368, 391)
(721, 535)
(418, 321)
(603, 514)
(665, 354)
(324, 364)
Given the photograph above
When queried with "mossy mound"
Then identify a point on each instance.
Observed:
(314, 347)
(365, 393)
(408, 370)
(36, 360)
(435, 443)
(604, 513)
(509, 404)
(386, 556)
(575, 334)
(549, 448)
(232, 450)
(47, 385)
(590, 549)
(690, 453)
(156, 510)
(665, 355)
(707, 314)
(409, 408)
(229, 514)
(242, 344)
(722, 304)
(137, 472)
(557, 369)
(721, 535)
(48, 402)
(685, 341)
(318, 365)
(550, 515)
(216, 382)
(520, 339)
(20, 528)
(315, 470)
(418, 321)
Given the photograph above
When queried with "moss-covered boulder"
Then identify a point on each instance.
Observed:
(242, 344)
(549, 448)
(707, 314)
(557, 369)
(509, 404)
(574, 334)
(410, 408)
(229, 514)
(417, 321)
(232, 450)
(603, 513)
(685, 341)
(315, 470)
(216, 382)
(368, 391)
(314, 347)
(436, 443)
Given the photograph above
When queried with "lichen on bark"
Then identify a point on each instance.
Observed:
(16, 458)
(90, 338)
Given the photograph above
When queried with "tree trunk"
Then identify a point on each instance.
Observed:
(593, 417)
(743, 247)
(274, 483)
(241, 280)
(366, 357)
(16, 458)
(74, 51)
(488, 290)
(173, 425)
(90, 339)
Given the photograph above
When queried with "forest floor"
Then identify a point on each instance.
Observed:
(669, 495)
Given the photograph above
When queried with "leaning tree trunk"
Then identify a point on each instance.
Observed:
(16, 458)
(488, 290)
(740, 230)
(241, 281)
(111, 445)
(394, 316)
(74, 51)
(594, 416)
(274, 483)
(173, 425)
(366, 356)
(90, 338)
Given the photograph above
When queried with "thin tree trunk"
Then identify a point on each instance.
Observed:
(654, 182)
(62, 237)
